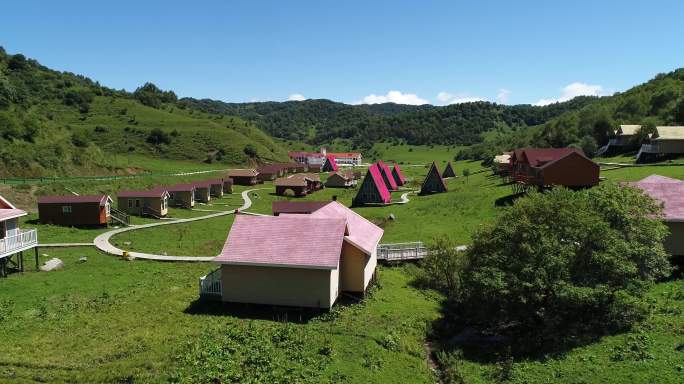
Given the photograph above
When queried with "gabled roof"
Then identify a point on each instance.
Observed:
(144, 193)
(376, 177)
(271, 168)
(449, 171)
(668, 133)
(330, 163)
(290, 182)
(362, 233)
(628, 130)
(398, 176)
(669, 191)
(305, 176)
(297, 241)
(387, 175)
(202, 184)
(569, 154)
(214, 181)
(242, 173)
(285, 206)
(5, 204)
(343, 175)
(74, 199)
(179, 187)
(539, 156)
(11, 213)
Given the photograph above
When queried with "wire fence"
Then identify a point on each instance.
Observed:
(48, 180)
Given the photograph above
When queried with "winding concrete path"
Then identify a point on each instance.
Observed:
(102, 241)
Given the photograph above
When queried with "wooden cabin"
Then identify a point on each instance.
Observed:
(295, 167)
(448, 171)
(227, 185)
(244, 176)
(547, 167)
(181, 195)
(73, 210)
(433, 182)
(665, 141)
(264, 261)
(298, 186)
(387, 176)
(340, 179)
(330, 164)
(202, 191)
(154, 203)
(270, 172)
(398, 176)
(14, 241)
(215, 187)
(373, 190)
(314, 167)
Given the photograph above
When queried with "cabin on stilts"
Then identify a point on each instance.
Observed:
(373, 190)
(398, 176)
(433, 183)
(448, 171)
(13, 240)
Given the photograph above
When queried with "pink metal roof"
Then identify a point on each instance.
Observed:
(73, 199)
(286, 241)
(402, 179)
(156, 192)
(10, 213)
(332, 161)
(669, 191)
(386, 171)
(362, 233)
(374, 171)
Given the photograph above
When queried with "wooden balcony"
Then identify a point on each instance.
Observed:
(25, 239)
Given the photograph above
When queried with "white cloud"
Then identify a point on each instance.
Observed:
(502, 96)
(296, 97)
(445, 98)
(397, 97)
(573, 90)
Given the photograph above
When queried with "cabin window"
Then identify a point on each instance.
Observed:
(66, 208)
(172, 195)
(130, 203)
(137, 203)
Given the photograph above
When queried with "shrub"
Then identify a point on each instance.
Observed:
(158, 136)
(250, 150)
(560, 264)
(442, 267)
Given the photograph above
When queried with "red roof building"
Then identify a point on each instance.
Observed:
(387, 176)
(546, 167)
(330, 164)
(398, 176)
(73, 210)
(373, 189)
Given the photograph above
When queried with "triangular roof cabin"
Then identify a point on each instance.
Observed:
(448, 171)
(330, 164)
(433, 183)
(398, 176)
(373, 190)
(387, 176)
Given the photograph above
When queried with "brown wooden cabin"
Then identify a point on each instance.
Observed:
(546, 167)
(181, 195)
(313, 180)
(244, 176)
(270, 172)
(215, 187)
(153, 202)
(72, 210)
(295, 167)
(298, 186)
(227, 185)
(202, 191)
(341, 179)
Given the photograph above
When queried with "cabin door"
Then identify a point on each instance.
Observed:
(3, 229)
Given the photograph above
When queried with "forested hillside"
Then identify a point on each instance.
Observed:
(52, 123)
(659, 101)
(322, 121)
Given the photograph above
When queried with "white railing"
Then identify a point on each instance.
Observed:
(402, 251)
(23, 240)
(649, 148)
(614, 142)
(210, 284)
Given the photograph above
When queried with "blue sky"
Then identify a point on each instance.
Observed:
(354, 51)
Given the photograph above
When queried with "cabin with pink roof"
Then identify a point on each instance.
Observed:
(671, 193)
(373, 190)
(75, 210)
(398, 176)
(153, 203)
(202, 191)
(319, 256)
(330, 164)
(387, 176)
(13, 240)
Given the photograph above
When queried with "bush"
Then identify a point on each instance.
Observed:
(442, 267)
(158, 136)
(250, 151)
(564, 264)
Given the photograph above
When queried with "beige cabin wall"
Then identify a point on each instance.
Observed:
(279, 286)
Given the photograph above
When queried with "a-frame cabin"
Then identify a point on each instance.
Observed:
(398, 176)
(373, 189)
(448, 171)
(433, 183)
(387, 176)
(330, 164)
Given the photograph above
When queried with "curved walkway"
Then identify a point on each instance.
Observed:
(102, 241)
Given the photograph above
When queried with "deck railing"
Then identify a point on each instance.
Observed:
(25, 239)
(402, 251)
(649, 148)
(210, 284)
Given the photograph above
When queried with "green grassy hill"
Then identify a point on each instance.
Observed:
(56, 123)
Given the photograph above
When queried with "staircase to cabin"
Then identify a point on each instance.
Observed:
(120, 217)
(151, 212)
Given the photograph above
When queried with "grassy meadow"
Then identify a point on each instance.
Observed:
(140, 321)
